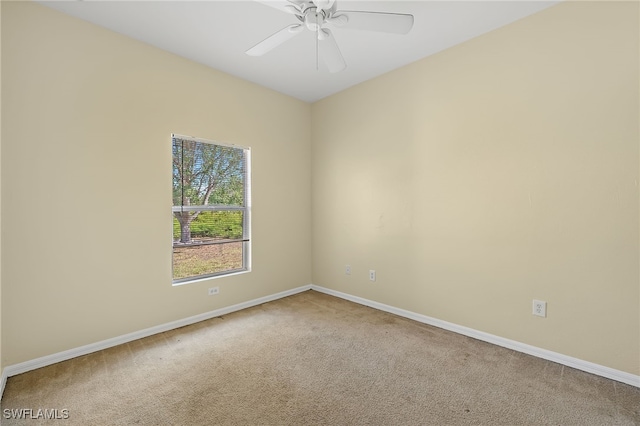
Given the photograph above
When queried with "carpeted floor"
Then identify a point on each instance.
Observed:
(312, 359)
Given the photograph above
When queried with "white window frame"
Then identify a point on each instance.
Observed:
(246, 209)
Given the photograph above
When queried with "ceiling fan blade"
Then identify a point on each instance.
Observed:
(275, 40)
(395, 23)
(283, 5)
(330, 52)
(324, 4)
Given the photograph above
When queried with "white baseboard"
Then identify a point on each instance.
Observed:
(33, 364)
(3, 381)
(589, 367)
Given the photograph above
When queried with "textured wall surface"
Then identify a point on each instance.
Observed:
(502, 170)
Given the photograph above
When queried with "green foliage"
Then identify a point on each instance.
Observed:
(219, 224)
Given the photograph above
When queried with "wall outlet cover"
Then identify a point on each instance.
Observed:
(540, 308)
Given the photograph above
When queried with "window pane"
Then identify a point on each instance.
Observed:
(206, 244)
(207, 174)
(193, 260)
(210, 208)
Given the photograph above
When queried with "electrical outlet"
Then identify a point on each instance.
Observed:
(372, 275)
(540, 308)
(347, 269)
(214, 291)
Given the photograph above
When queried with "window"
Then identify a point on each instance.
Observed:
(211, 209)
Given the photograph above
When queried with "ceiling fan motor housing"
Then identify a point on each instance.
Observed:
(314, 18)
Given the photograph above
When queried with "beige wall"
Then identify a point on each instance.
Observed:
(86, 168)
(499, 171)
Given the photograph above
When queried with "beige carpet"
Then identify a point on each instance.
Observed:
(312, 359)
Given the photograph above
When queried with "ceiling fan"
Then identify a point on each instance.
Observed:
(318, 16)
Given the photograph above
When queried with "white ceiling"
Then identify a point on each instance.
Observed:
(217, 33)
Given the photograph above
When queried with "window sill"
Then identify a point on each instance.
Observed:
(212, 277)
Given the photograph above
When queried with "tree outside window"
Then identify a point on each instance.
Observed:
(210, 209)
